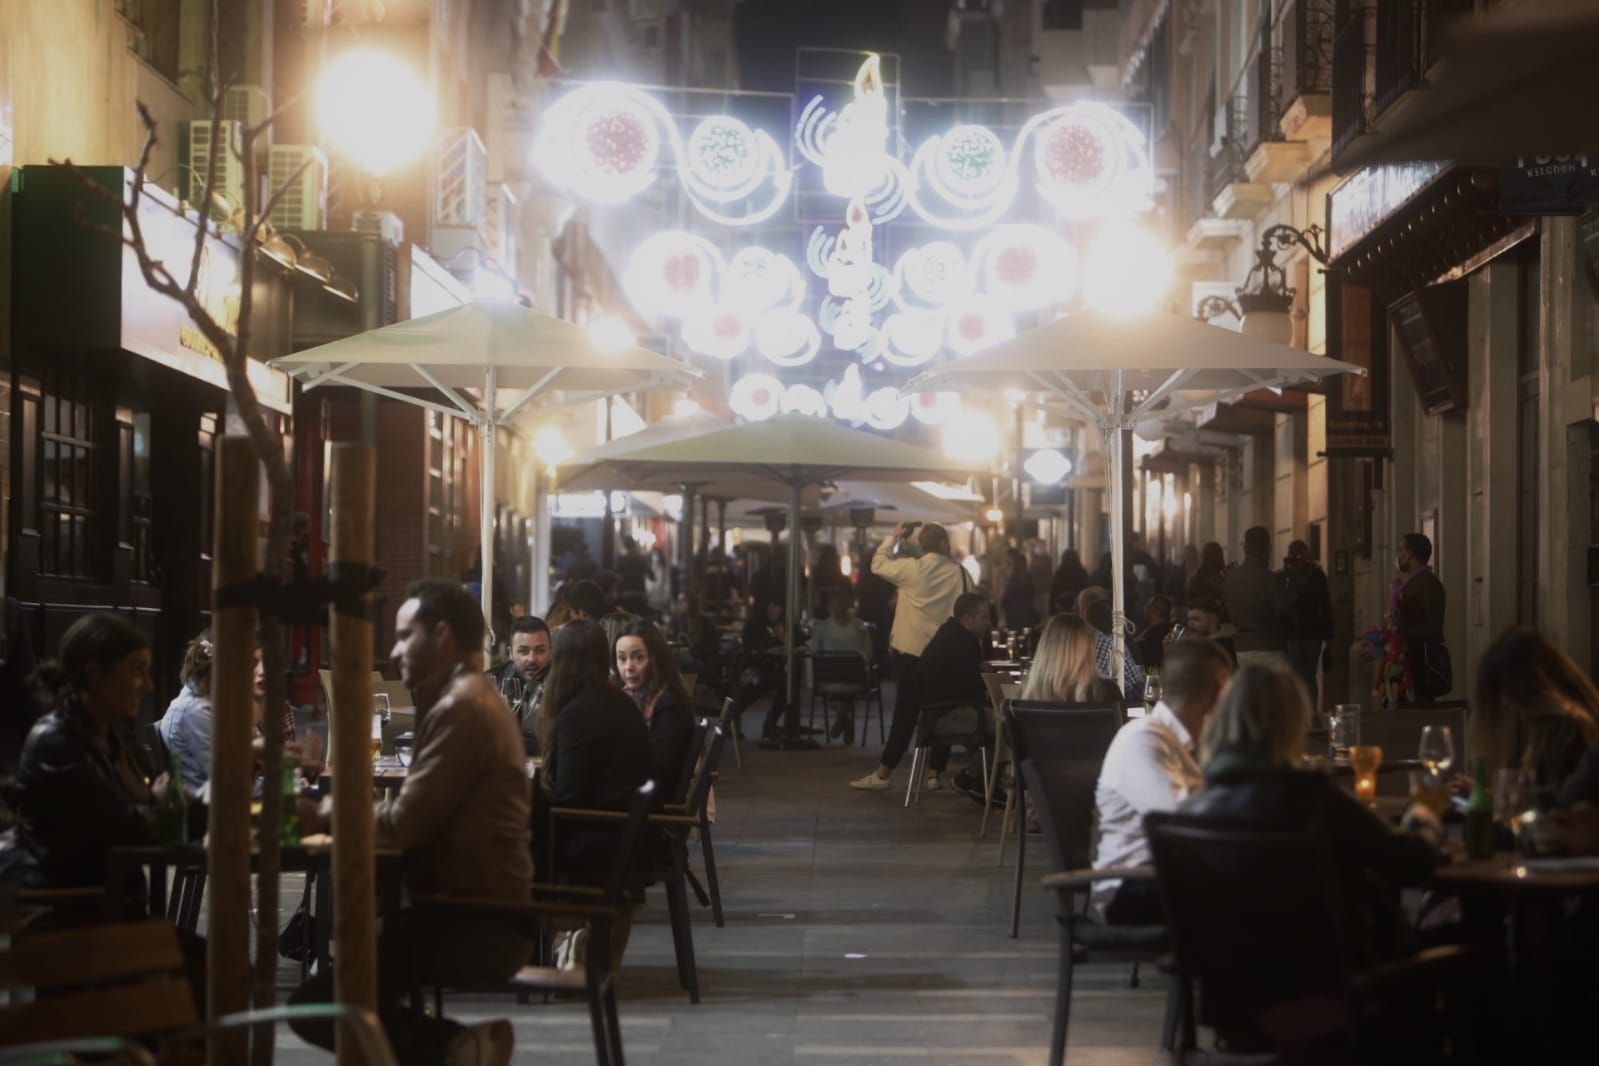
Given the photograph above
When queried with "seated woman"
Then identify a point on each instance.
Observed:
(1063, 668)
(650, 678)
(597, 743)
(186, 727)
(764, 666)
(1529, 690)
(79, 789)
(840, 631)
(1249, 749)
(698, 633)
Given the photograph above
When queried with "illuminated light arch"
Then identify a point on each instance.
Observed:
(1025, 267)
(913, 337)
(721, 333)
(674, 274)
(935, 408)
(804, 400)
(886, 409)
(756, 396)
(787, 338)
(976, 324)
(847, 396)
(930, 276)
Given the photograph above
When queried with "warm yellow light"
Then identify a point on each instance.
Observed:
(685, 407)
(375, 109)
(971, 436)
(1014, 397)
(1168, 507)
(995, 515)
(609, 333)
(1126, 270)
(549, 443)
(845, 566)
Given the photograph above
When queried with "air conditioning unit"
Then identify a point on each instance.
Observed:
(248, 104)
(462, 178)
(304, 204)
(499, 225)
(229, 175)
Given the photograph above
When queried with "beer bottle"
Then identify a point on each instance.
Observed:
(172, 809)
(1480, 813)
(291, 805)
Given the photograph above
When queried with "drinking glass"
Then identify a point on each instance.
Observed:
(511, 688)
(402, 749)
(1437, 749)
(1151, 692)
(1344, 731)
(1365, 761)
(380, 715)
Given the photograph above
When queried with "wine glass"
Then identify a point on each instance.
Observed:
(511, 688)
(1437, 749)
(1151, 692)
(380, 716)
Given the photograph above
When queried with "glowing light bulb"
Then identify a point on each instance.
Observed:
(549, 443)
(1047, 466)
(375, 109)
(609, 333)
(1126, 270)
(971, 436)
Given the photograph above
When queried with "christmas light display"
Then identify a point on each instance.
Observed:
(673, 274)
(756, 396)
(1025, 267)
(935, 408)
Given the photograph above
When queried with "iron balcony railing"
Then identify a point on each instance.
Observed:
(1351, 89)
(1372, 70)
(1305, 38)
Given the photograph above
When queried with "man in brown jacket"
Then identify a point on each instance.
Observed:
(462, 819)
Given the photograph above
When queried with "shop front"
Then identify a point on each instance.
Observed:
(117, 401)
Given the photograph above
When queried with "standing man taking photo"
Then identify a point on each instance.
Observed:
(928, 584)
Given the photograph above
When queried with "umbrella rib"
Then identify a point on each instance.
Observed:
(331, 372)
(396, 394)
(527, 397)
(1160, 392)
(455, 397)
(1066, 389)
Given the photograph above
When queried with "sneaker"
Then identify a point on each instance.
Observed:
(872, 783)
(933, 782)
(485, 1044)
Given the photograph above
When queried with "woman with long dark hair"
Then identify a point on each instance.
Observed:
(650, 678)
(79, 789)
(1205, 582)
(1534, 709)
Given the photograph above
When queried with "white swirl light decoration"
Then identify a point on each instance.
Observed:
(847, 397)
(978, 323)
(1090, 161)
(603, 142)
(756, 397)
(758, 278)
(886, 409)
(673, 274)
(913, 337)
(1025, 267)
(787, 338)
(962, 179)
(721, 333)
(804, 400)
(935, 408)
(930, 276)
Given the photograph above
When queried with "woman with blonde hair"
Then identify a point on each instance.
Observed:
(1064, 669)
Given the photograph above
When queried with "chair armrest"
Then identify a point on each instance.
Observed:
(375, 1050)
(1082, 880)
(514, 914)
(50, 1051)
(1423, 968)
(586, 814)
(673, 819)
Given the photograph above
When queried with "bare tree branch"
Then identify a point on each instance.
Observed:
(275, 199)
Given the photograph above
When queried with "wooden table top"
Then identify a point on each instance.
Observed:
(1510, 873)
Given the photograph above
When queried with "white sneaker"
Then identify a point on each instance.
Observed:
(933, 783)
(872, 783)
(485, 1044)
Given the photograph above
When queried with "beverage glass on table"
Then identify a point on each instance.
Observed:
(1343, 731)
(380, 715)
(1365, 760)
(1437, 749)
(1151, 691)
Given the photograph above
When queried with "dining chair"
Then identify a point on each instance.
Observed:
(1066, 816)
(1263, 957)
(945, 725)
(90, 989)
(1073, 735)
(842, 677)
(727, 724)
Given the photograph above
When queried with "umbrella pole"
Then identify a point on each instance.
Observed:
(790, 614)
(1115, 440)
(486, 518)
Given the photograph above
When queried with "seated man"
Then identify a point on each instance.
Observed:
(951, 667)
(1151, 765)
(1204, 620)
(462, 819)
(521, 678)
(1150, 646)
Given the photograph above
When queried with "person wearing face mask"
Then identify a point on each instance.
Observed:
(521, 678)
(649, 676)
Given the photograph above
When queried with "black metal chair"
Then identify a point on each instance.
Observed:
(1262, 956)
(940, 725)
(601, 906)
(1064, 800)
(843, 677)
(1074, 734)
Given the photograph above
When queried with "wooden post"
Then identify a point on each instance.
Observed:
(354, 895)
(236, 560)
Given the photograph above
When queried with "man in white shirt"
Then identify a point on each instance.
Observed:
(928, 586)
(1151, 766)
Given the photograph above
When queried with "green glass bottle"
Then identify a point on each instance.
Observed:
(172, 809)
(1480, 813)
(291, 805)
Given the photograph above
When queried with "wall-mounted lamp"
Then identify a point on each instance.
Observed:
(1265, 298)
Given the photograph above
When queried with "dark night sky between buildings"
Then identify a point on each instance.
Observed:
(767, 33)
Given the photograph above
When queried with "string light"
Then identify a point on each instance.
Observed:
(756, 397)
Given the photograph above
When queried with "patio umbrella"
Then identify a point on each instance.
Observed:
(486, 362)
(792, 450)
(1511, 84)
(1117, 371)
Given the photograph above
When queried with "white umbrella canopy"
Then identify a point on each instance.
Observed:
(1115, 371)
(1511, 84)
(793, 450)
(460, 362)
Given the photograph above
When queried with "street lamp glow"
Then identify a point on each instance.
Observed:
(610, 334)
(373, 108)
(1047, 466)
(549, 443)
(1126, 270)
(971, 436)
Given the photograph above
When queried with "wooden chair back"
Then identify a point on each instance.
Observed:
(104, 981)
(705, 775)
(626, 859)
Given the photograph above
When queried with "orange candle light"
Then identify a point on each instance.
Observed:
(1366, 788)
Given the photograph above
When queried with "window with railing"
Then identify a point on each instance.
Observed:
(66, 519)
(1351, 99)
(153, 32)
(1305, 41)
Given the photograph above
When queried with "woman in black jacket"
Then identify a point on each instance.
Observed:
(650, 679)
(79, 789)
